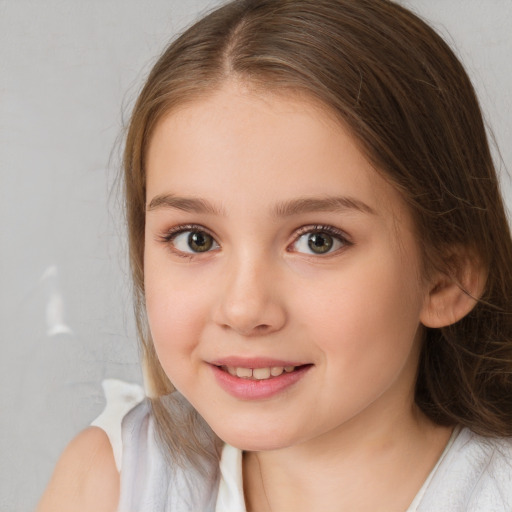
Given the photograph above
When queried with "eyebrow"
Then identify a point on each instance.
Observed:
(297, 206)
(187, 204)
(321, 204)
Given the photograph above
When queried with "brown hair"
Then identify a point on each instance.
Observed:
(406, 98)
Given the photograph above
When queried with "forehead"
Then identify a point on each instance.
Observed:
(245, 146)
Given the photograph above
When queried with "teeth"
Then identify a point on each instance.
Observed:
(258, 373)
(244, 372)
(261, 373)
(275, 371)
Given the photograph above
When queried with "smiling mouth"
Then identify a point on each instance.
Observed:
(257, 379)
(265, 373)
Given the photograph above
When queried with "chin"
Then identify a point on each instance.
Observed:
(256, 438)
(250, 444)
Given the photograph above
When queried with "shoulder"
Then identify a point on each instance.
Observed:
(488, 456)
(121, 397)
(85, 478)
(495, 484)
(475, 475)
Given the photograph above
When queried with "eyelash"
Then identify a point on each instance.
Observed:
(174, 232)
(170, 235)
(323, 229)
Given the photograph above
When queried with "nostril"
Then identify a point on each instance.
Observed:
(257, 330)
(262, 327)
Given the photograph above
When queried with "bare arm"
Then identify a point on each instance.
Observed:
(85, 478)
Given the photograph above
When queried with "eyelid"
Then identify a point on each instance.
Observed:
(170, 234)
(322, 228)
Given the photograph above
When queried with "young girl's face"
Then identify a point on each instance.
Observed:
(274, 251)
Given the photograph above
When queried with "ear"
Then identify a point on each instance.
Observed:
(452, 294)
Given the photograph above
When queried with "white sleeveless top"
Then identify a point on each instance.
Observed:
(474, 474)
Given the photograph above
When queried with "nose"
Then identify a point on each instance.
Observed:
(250, 303)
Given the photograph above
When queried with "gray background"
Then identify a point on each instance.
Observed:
(69, 72)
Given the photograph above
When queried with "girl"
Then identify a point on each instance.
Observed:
(322, 269)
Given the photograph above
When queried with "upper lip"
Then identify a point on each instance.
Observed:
(254, 362)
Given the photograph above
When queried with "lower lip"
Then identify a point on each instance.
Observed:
(252, 389)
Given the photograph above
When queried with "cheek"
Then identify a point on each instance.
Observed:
(368, 337)
(176, 314)
(175, 330)
(367, 316)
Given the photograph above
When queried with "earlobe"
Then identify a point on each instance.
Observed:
(451, 297)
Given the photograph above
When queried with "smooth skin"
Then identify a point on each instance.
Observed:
(242, 188)
(256, 176)
(86, 477)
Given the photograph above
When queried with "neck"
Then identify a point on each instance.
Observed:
(349, 468)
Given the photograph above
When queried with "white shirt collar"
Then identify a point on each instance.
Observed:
(231, 489)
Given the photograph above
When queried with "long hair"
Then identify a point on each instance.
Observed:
(406, 99)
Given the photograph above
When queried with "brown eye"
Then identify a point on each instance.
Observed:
(199, 241)
(320, 240)
(320, 243)
(193, 241)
